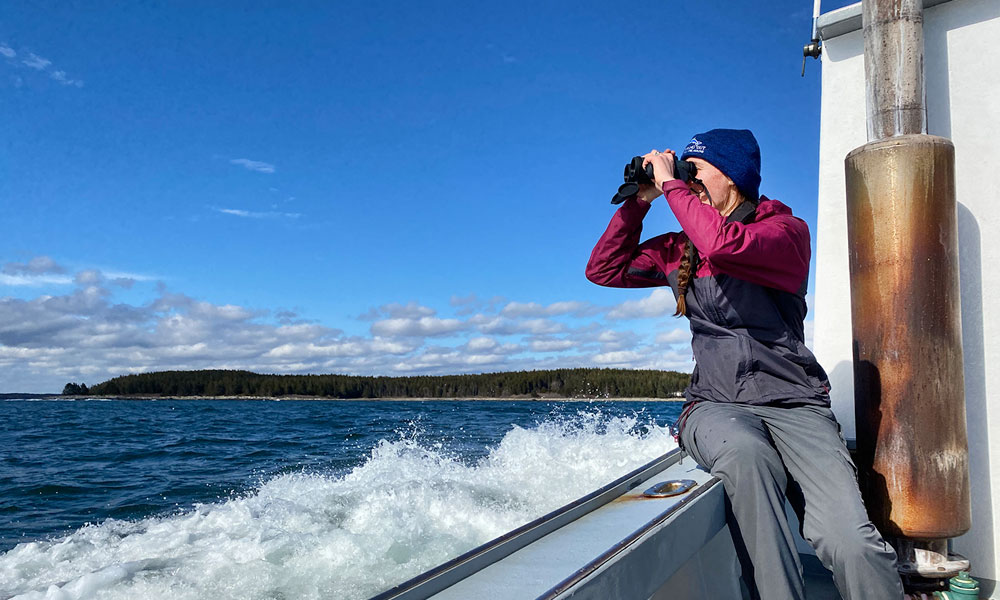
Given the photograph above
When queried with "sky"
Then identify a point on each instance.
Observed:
(380, 189)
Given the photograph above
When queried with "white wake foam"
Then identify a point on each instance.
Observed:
(409, 507)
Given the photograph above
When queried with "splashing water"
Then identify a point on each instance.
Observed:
(410, 506)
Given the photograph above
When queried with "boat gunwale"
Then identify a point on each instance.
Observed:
(437, 579)
(591, 567)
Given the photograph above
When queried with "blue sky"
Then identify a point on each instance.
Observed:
(390, 188)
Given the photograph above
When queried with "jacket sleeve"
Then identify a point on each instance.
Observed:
(619, 260)
(773, 252)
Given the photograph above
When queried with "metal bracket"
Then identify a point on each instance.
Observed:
(813, 49)
(673, 487)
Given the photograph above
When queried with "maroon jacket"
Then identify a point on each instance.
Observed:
(746, 302)
(772, 251)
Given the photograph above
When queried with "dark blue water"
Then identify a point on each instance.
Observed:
(67, 463)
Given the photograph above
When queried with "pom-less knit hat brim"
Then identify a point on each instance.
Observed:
(734, 152)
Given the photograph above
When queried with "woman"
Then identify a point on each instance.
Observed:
(758, 408)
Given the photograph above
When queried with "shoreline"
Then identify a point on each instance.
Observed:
(334, 399)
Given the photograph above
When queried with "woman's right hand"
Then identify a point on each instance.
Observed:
(648, 193)
(663, 171)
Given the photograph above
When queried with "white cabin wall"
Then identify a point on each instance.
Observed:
(842, 129)
(962, 64)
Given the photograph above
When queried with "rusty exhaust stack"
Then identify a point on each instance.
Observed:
(903, 237)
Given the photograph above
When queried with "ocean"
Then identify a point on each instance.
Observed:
(258, 499)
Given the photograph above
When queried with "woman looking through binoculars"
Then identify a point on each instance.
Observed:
(757, 413)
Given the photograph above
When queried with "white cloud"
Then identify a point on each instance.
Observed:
(416, 327)
(126, 275)
(37, 265)
(60, 76)
(480, 344)
(88, 277)
(674, 336)
(34, 280)
(657, 304)
(310, 352)
(253, 165)
(440, 362)
(645, 357)
(43, 271)
(87, 335)
(534, 309)
(463, 300)
(618, 357)
(247, 214)
(551, 345)
(523, 309)
(496, 325)
(403, 346)
(234, 211)
(472, 303)
(36, 62)
(395, 310)
(617, 340)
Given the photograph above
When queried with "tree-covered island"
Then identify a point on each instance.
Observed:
(557, 383)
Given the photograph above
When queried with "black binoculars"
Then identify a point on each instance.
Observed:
(636, 175)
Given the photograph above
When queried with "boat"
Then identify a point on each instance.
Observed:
(660, 532)
(656, 533)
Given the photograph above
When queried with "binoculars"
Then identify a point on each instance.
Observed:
(636, 175)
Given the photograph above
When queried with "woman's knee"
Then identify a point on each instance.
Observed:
(844, 544)
(746, 456)
(730, 439)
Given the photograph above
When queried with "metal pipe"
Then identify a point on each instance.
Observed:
(894, 67)
(813, 48)
(815, 24)
(903, 236)
(908, 373)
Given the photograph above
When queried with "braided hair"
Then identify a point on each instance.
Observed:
(688, 262)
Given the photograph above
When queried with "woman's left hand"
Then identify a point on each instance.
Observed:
(663, 166)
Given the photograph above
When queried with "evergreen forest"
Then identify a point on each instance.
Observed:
(557, 383)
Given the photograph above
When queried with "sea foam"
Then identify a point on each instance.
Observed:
(411, 505)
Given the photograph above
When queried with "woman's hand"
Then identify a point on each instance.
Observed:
(648, 193)
(663, 167)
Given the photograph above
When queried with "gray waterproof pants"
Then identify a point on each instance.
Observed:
(763, 454)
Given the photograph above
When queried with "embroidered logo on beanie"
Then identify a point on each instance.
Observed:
(694, 147)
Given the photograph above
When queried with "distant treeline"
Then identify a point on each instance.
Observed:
(567, 383)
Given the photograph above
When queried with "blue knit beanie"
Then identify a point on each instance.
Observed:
(734, 152)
